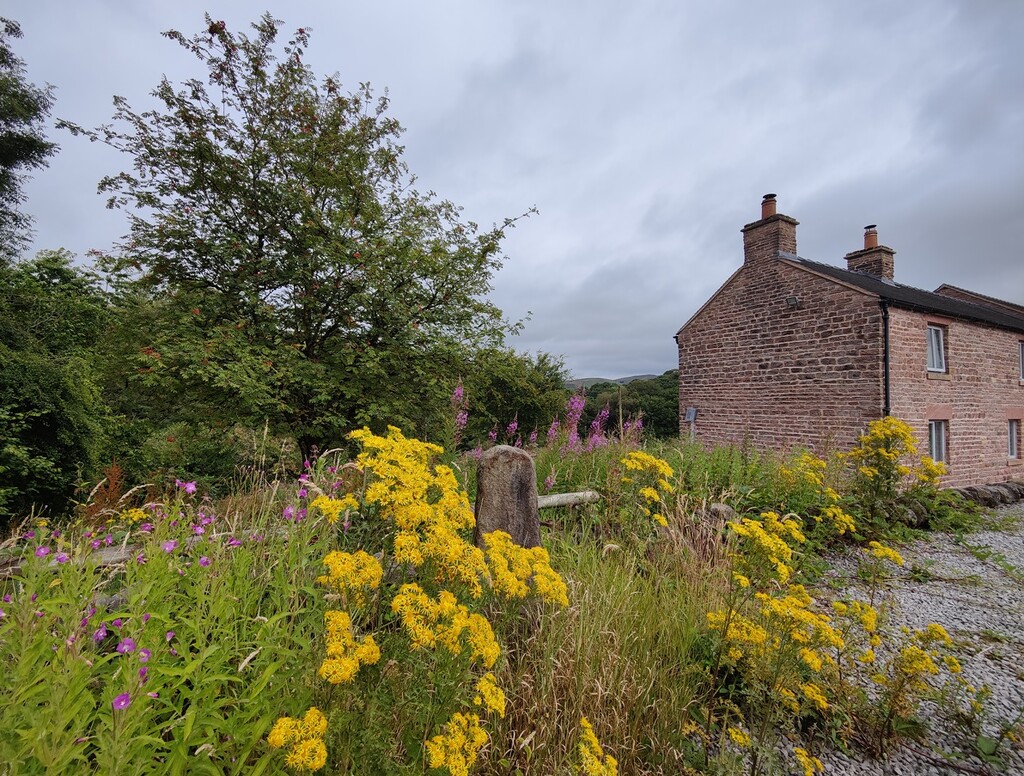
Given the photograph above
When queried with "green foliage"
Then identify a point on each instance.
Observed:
(280, 264)
(502, 385)
(656, 401)
(23, 108)
(51, 414)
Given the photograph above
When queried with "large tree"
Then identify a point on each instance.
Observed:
(288, 267)
(23, 108)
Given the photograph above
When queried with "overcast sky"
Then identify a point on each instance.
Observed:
(644, 132)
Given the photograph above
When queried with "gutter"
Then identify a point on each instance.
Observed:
(884, 303)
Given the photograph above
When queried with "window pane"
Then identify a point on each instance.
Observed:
(937, 440)
(936, 349)
(1013, 434)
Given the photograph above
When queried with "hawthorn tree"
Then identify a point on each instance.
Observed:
(23, 108)
(280, 264)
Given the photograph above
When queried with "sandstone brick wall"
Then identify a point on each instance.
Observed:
(977, 397)
(762, 372)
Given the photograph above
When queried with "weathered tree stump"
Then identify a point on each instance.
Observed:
(506, 496)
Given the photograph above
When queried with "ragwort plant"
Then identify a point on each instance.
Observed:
(407, 679)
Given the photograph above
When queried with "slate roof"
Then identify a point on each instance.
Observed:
(912, 298)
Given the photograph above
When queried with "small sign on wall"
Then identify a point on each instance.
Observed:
(691, 414)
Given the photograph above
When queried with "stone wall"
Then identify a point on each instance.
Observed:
(781, 357)
(977, 396)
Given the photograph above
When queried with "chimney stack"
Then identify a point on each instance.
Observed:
(775, 233)
(873, 259)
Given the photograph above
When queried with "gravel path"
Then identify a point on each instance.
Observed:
(974, 589)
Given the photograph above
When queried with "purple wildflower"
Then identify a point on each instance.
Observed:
(2, 614)
(127, 646)
(29, 535)
(303, 493)
(233, 542)
(95, 544)
(101, 633)
(144, 655)
(117, 623)
(170, 546)
(62, 557)
(153, 694)
(122, 701)
(170, 635)
(206, 519)
(553, 431)
(493, 435)
(42, 551)
(146, 527)
(188, 487)
(549, 481)
(144, 673)
(7, 598)
(55, 534)
(510, 430)
(145, 618)
(457, 394)
(204, 561)
(461, 419)
(289, 512)
(198, 530)
(108, 539)
(141, 559)
(533, 438)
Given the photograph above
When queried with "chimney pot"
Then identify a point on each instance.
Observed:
(870, 236)
(768, 205)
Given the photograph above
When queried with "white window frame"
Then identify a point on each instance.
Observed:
(938, 431)
(936, 348)
(1013, 438)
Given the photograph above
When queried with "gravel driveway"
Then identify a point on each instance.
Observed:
(975, 589)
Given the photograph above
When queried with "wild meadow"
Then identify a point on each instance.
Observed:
(342, 621)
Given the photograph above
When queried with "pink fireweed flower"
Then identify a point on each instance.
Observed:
(533, 438)
(549, 481)
(188, 487)
(42, 551)
(457, 394)
(127, 646)
(553, 431)
(170, 546)
(493, 435)
(122, 701)
(461, 419)
(511, 428)
(204, 561)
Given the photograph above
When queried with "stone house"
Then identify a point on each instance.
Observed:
(794, 353)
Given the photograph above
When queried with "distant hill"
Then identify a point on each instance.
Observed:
(586, 382)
